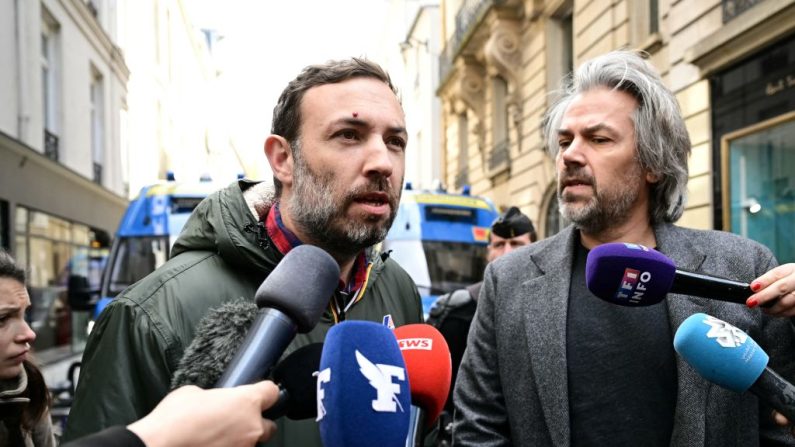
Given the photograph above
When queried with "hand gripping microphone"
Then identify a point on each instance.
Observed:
(633, 275)
(428, 363)
(288, 303)
(363, 394)
(727, 356)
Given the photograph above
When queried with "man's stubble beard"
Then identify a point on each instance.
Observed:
(315, 206)
(608, 207)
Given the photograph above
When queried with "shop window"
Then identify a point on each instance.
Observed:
(759, 189)
(57, 253)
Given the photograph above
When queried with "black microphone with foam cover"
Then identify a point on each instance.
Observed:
(219, 336)
(288, 304)
(634, 275)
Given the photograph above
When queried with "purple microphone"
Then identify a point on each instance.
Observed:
(634, 275)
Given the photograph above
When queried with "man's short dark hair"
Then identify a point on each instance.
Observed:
(287, 113)
(513, 223)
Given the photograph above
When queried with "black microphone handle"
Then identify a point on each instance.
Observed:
(696, 284)
(280, 407)
(773, 389)
(264, 344)
(416, 427)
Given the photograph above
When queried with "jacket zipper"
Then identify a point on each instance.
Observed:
(259, 230)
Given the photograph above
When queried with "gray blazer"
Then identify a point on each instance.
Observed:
(512, 388)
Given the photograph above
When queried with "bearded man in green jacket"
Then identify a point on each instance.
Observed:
(337, 152)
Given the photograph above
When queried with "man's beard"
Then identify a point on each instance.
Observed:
(319, 209)
(608, 207)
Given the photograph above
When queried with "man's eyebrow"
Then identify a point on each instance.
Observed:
(599, 127)
(358, 122)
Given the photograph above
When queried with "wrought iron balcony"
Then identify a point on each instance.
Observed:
(499, 158)
(97, 173)
(467, 18)
(50, 145)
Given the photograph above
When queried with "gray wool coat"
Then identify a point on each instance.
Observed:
(512, 386)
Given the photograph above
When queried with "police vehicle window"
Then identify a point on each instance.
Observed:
(184, 204)
(454, 265)
(136, 258)
(450, 214)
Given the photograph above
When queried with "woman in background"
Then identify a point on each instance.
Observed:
(24, 397)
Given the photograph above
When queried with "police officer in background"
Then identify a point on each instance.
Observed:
(452, 313)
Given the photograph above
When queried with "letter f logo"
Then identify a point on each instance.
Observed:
(380, 377)
(322, 377)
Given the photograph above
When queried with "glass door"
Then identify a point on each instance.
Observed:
(759, 184)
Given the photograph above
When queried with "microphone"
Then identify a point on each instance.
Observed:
(727, 356)
(219, 336)
(287, 303)
(428, 363)
(363, 395)
(634, 275)
(297, 385)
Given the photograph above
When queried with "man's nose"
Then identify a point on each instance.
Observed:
(378, 159)
(573, 153)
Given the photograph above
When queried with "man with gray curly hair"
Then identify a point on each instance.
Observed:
(548, 363)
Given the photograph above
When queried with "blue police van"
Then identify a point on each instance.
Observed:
(148, 230)
(440, 239)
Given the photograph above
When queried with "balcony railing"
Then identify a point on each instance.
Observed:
(499, 159)
(467, 18)
(97, 173)
(50, 145)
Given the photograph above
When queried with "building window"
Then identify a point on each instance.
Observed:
(644, 23)
(500, 110)
(97, 125)
(462, 176)
(553, 220)
(54, 251)
(499, 159)
(560, 48)
(49, 83)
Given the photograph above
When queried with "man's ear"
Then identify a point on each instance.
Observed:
(280, 157)
(652, 178)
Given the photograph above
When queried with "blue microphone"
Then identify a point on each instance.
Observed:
(727, 356)
(363, 394)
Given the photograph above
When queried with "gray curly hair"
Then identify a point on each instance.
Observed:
(662, 141)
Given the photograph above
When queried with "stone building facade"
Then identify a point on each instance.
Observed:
(729, 62)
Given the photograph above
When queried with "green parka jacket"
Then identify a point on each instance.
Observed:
(221, 255)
